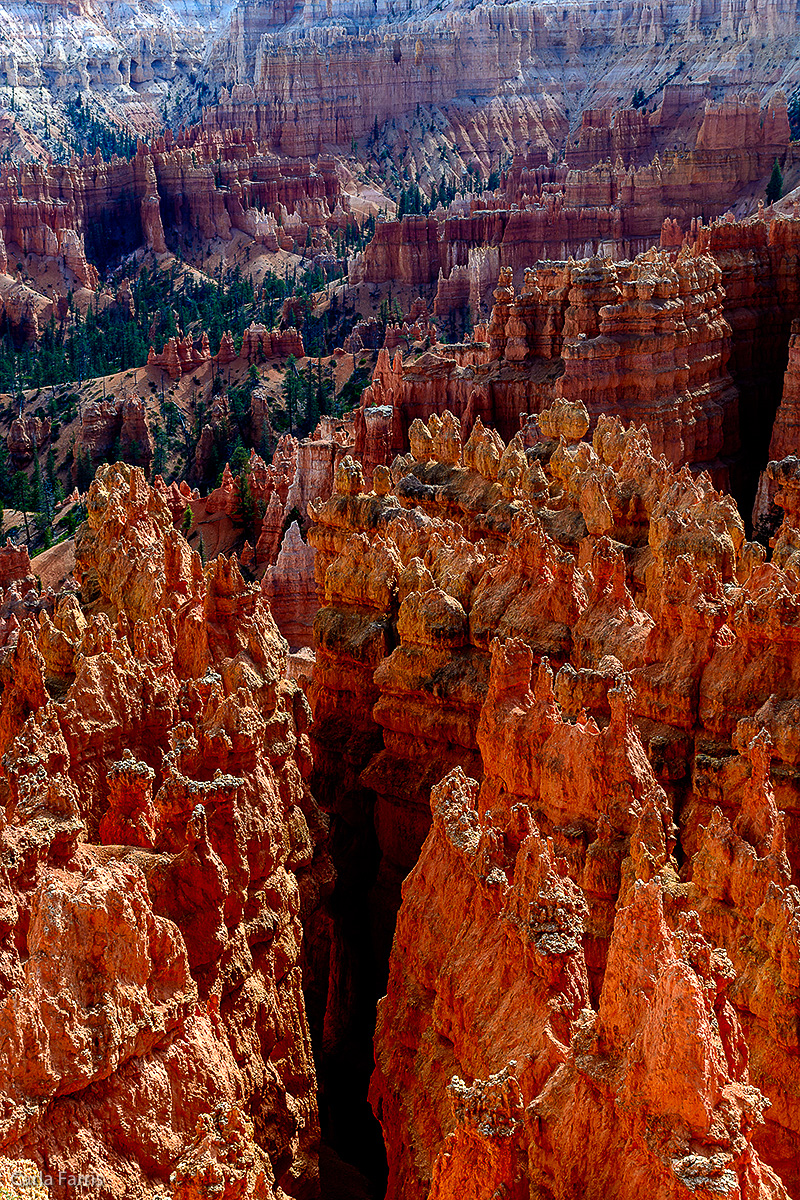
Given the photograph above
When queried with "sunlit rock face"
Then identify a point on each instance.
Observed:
(161, 852)
(574, 655)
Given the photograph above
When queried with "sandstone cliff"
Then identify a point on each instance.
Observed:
(515, 74)
(647, 341)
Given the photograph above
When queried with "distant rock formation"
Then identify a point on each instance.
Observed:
(115, 424)
(202, 185)
(624, 178)
(26, 436)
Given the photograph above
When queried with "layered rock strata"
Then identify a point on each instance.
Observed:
(185, 191)
(492, 77)
(573, 326)
(647, 341)
(487, 78)
(758, 260)
(627, 174)
(161, 849)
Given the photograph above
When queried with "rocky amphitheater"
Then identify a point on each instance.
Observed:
(399, 600)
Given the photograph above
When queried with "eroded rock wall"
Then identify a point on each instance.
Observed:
(186, 191)
(626, 173)
(587, 635)
(646, 340)
(161, 850)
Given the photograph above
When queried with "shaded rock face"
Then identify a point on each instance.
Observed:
(290, 588)
(785, 438)
(89, 213)
(582, 642)
(160, 849)
(761, 301)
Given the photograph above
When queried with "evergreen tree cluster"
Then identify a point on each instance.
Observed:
(91, 135)
(390, 312)
(775, 185)
(350, 395)
(412, 200)
(108, 340)
(794, 116)
(308, 395)
(35, 497)
(354, 237)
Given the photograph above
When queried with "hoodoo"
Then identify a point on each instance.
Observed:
(399, 594)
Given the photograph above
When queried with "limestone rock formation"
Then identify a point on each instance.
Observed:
(26, 436)
(161, 849)
(279, 496)
(646, 340)
(278, 85)
(181, 356)
(20, 597)
(290, 588)
(584, 632)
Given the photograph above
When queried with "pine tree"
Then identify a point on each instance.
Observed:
(37, 497)
(775, 185)
(21, 489)
(247, 508)
(292, 389)
(6, 491)
(84, 472)
(240, 458)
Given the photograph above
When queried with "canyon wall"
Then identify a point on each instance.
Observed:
(186, 191)
(509, 73)
(493, 73)
(758, 259)
(161, 854)
(626, 174)
(586, 634)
